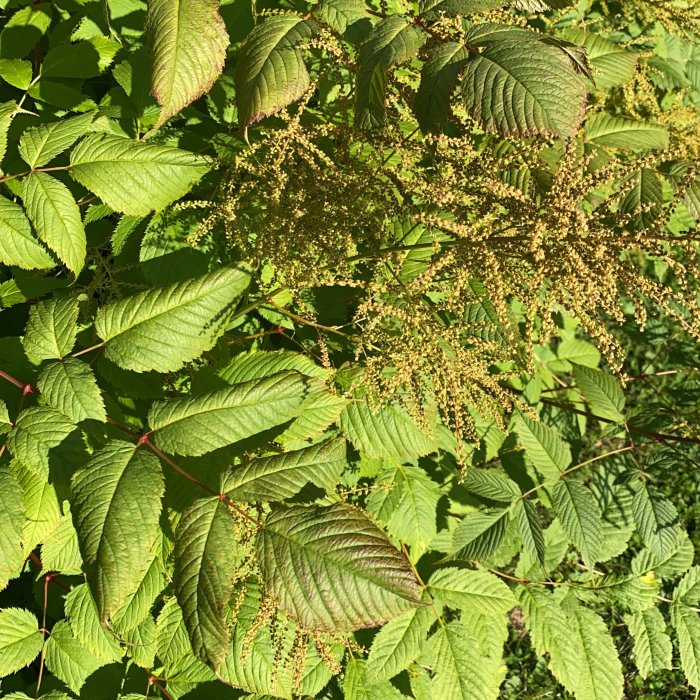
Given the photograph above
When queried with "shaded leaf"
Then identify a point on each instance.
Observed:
(205, 565)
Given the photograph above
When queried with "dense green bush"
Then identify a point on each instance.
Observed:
(349, 349)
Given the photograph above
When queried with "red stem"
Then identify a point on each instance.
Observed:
(12, 380)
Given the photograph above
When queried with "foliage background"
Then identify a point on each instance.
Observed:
(312, 318)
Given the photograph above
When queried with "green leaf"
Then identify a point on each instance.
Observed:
(24, 29)
(549, 628)
(166, 327)
(41, 507)
(84, 620)
(642, 200)
(357, 687)
(438, 81)
(18, 246)
(530, 530)
(602, 392)
(434, 9)
(80, 60)
(605, 130)
(687, 625)
(205, 565)
(677, 561)
(462, 669)
(12, 520)
(8, 111)
(253, 662)
(134, 177)
(68, 659)
(60, 551)
(71, 388)
(414, 497)
(492, 484)
(38, 430)
(466, 589)
(579, 352)
(398, 644)
(387, 432)
(172, 642)
(479, 535)
(55, 215)
(141, 643)
(282, 476)
(116, 506)
(20, 640)
(520, 86)
(580, 516)
(270, 71)
(601, 670)
(652, 646)
(688, 589)
(264, 363)
(137, 606)
(546, 450)
(347, 17)
(16, 72)
(51, 329)
(330, 568)
(196, 425)
(188, 40)
(656, 519)
(41, 144)
(613, 64)
(5, 421)
(392, 41)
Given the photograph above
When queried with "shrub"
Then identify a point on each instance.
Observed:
(348, 349)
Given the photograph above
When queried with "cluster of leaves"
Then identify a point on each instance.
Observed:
(295, 398)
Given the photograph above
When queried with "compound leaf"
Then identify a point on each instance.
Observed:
(520, 86)
(68, 659)
(387, 432)
(656, 519)
(12, 519)
(392, 41)
(546, 450)
(41, 144)
(398, 644)
(38, 430)
(687, 625)
(479, 535)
